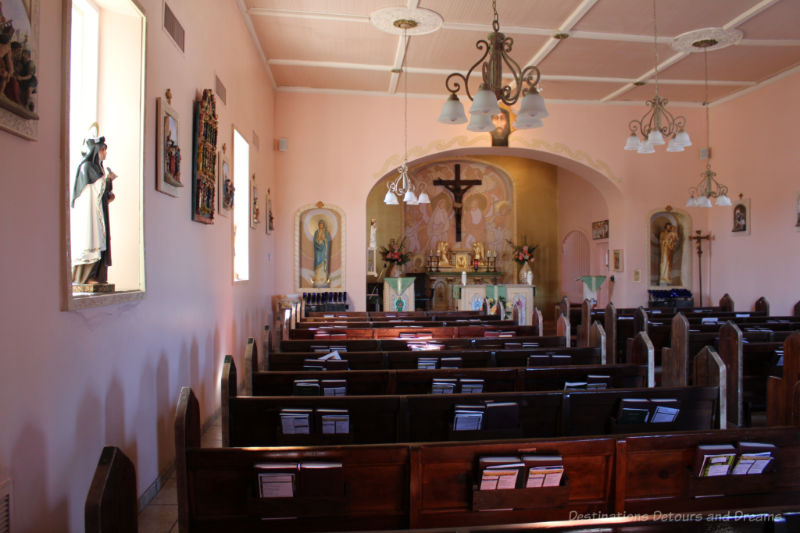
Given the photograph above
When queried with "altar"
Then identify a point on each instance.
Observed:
(440, 285)
(471, 297)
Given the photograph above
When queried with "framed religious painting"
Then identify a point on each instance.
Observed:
(741, 217)
(255, 211)
(224, 184)
(617, 264)
(204, 160)
(168, 151)
(600, 230)
(319, 251)
(19, 44)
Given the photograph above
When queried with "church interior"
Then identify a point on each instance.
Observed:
(263, 152)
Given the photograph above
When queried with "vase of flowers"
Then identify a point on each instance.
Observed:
(396, 256)
(522, 254)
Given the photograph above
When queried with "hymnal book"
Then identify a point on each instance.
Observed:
(313, 364)
(709, 320)
(598, 381)
(559, 359)
(499, 473)
(507, 334)
(334, 421)
(742, 315)
(320, 480)
(664, 410)
(330, 355)
(502, 415)
(714, 459)
(427, 362)
(276, 480)
(306, 387)
(443, 386)
(512, 345)
(530, 344)
(471, 385)
(634, 411)
(295, 421)
(753, 458)
(450, 362)
(338, 348)
(334, 387)
(574, 385)
(468, 417)
(543, 470)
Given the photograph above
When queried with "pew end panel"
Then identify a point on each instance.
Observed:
(597, 339)
(761, 306)
(641, 352)
(708, 370)
(111, 503)
(563, 328)
(449, 475)
(675, 359)
(726, 303)
(783, 405)
(730, 350)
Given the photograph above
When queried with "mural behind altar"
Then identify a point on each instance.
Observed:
(487, 218)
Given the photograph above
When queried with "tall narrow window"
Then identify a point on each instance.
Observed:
(103, 163)
(241, 208)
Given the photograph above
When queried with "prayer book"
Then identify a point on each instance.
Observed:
(634, 411)
(714, 459)
(443, 386)
(306, 387)
(295, 421)
(334, 387)
(471, 385)
(276, 480)
(427, 362)
(468, 417)
(502, 415)
(543, 470)
(499, 473)
(753, 458)
(450, 362)
(334, 421)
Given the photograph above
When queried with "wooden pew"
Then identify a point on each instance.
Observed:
(111, 503)
(217, 486)
(656, 473)
(373, 345)
(783, 393)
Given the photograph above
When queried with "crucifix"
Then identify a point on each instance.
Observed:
(458, 187)
(699, 241)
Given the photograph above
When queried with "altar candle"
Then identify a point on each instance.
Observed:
(464, 278)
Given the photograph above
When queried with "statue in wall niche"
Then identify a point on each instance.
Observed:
(89, 224)
(668, 240)
(373, 234)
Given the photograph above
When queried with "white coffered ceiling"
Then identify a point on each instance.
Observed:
(330, 45)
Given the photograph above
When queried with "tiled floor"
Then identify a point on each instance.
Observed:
(161, 515)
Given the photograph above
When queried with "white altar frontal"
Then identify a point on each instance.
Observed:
(471, 297)
(398, 294)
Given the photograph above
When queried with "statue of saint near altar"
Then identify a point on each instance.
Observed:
(478, 252)
(442, 251)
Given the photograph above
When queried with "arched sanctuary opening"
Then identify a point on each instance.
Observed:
(523, 196)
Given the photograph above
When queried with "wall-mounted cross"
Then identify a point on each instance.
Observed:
(458, 187)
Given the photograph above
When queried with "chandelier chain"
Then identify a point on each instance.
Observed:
(706, 102)
(655, 41)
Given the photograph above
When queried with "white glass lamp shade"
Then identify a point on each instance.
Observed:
(527, 123)
(703, 201)
(453, 111)
(484, 103)
(423, 199)
(723, 200)
(410, 198)
(480, 122)
(633, 142)
(674, 146)
(691, 202)
(533, 106)
(646, 148)
(390, 198)
(682, 138)
(655, 137)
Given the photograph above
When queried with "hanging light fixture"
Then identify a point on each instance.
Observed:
(405, 21)
(657, 124)
(496, 48)
(701, 194)
(402, 186)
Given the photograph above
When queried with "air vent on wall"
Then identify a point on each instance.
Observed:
(173, 27)
(5, 506)
(222, 92)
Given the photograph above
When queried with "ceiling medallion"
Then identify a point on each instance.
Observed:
(396, 20)
(706, 39)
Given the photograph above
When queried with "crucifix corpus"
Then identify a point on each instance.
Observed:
(699, 238)
(458, 187)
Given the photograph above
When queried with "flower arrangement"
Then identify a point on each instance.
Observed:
(522, 253)
(395, 253)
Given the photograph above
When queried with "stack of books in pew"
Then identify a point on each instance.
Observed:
(327, 348)
(317, 387)
(549, 359)
(527, 471)
(300, 421)
(499, 334)
(330, 361)
(709, 320)
(489, 415)
(436, 362)
(424, 346)
(305, 479)
(453, 385)
(648, 410)
(520, 345)
(593, 382)
(742, 459)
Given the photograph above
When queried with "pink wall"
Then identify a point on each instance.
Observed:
(73, 382)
